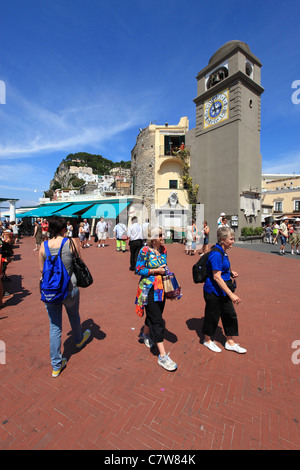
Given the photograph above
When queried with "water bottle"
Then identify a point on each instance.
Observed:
(144, 296)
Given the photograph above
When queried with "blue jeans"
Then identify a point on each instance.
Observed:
(71, 304)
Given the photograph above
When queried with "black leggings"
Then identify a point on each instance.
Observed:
(154, 320)
(216, 307)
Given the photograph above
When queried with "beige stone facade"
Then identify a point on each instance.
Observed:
(275, 183)
(155, 169)
(280, 197)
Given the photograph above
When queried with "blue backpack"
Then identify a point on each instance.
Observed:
(55, 280)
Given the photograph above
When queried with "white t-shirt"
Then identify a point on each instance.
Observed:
(283, 228)
(120, 230)
(101, 226)
(135, 232)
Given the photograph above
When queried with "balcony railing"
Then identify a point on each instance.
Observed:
(173, 151)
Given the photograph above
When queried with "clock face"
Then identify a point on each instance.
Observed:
(216, 109)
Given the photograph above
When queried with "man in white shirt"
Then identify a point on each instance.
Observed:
(135, 234)
(224, 222)
(101, 232)
(283, 232)
(120, 235)
(86, 229)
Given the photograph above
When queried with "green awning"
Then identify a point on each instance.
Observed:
(73, 209)
(106, 210)
(43, 211)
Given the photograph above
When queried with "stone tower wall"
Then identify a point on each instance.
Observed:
(143, 167)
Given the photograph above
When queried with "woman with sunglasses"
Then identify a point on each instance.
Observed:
(150, 265)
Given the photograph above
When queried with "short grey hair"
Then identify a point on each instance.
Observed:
(153, 233)
(223, 233)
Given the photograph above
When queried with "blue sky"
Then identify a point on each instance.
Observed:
(85, 75)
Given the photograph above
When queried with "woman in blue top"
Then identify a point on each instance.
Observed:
(218, 295)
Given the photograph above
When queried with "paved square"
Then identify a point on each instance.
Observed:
(113, 395)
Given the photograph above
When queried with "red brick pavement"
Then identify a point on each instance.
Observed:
(113, 395)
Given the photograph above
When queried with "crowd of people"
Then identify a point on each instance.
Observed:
(284, 233)
(148, 259)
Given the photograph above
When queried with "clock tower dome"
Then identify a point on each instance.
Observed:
(225, 144)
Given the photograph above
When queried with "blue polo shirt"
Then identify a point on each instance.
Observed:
(215, 263)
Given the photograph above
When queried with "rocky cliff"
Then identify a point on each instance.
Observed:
(64, 178)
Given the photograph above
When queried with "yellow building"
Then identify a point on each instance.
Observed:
(280, 197)
(168, 164)
(157, 169)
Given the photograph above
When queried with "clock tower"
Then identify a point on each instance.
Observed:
(225, 144)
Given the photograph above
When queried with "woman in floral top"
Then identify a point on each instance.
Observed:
(150, 265)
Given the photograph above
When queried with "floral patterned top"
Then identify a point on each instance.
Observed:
(146, 261)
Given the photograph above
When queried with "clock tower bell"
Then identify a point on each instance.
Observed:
(225, 144)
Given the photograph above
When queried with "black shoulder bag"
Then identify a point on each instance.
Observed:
(80, 269)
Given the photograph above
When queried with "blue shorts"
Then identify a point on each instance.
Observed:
(283, 240)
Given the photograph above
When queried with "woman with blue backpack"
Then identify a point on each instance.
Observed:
(58, 288)
(219, 294)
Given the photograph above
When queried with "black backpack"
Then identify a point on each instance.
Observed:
(200, 271)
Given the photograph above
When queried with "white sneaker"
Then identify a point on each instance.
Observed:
(235, 347)
(212, 346)
(166, 362)
(148, 341)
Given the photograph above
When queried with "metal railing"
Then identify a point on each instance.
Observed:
(173, 151)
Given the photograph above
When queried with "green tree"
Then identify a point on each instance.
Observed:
(187, 180)
(76, 182)
(99, 165)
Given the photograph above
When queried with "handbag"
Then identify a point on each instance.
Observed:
(231, 284)
(172, 287)
(80, 269)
